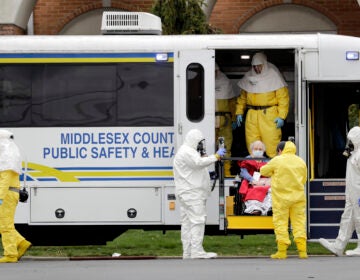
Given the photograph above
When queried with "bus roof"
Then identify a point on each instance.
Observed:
(145, 43)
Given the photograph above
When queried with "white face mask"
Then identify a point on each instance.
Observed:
(257, 153)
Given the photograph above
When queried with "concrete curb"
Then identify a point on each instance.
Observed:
(107, 258)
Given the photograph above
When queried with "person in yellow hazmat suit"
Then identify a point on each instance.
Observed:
(225, 120)
(265, 96)
(288, 174)
(350, 219)
(13, 243)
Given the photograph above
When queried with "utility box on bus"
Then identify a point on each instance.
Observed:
(130, 23)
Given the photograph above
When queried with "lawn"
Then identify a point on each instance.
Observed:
(157, 243)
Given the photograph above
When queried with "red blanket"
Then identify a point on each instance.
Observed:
(248, 191)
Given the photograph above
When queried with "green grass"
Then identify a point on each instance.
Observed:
(155, 243)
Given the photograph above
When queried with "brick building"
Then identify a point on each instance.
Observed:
(231, 16)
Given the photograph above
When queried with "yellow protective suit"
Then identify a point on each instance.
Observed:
(225, 116)
(260, 123)
(265, 94)
(224, 113)
(11, 239)
(14, 244)
(288, 174)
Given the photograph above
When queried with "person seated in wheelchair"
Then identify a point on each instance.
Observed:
(255, 190)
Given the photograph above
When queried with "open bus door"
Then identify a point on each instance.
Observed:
(196, 99)
(195, 106)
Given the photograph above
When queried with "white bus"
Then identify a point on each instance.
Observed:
(99, 119)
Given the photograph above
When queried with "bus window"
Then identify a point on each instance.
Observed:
(102, 95)
(15, 95)
(145, 94)
(66, 94)
(195, 92)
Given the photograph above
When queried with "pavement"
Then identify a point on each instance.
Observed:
(91, 258)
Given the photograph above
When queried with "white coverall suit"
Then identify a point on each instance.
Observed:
(350, 219)
(13, 243)
(288, 174)
(193, 187)
(266, 97)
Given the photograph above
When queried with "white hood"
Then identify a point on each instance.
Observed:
(223, 87)
(269, 79)
(354, 137)
(193, 137)
(10, 158)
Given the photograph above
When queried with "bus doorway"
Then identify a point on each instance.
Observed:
(234, 63)
(333, 111)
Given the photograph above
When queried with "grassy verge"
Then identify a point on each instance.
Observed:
(155, 243)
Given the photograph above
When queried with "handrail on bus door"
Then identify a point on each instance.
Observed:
(311, 136)
(221, 194)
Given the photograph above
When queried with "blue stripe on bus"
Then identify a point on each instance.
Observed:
(112, 179)
(117, 168)
(81, 55)
(128, 179)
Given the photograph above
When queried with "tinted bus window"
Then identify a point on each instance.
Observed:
(124, 94)
(15, 95)
(145, 94)
(195, 92)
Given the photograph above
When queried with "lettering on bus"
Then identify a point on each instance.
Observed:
(112, 145)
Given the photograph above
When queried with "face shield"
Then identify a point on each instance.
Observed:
(348, 149)
(258, 68)
(201, 147)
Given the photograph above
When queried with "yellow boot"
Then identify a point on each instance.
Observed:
(281, 252)
(301, 247)
(8, 260)
(23, 247)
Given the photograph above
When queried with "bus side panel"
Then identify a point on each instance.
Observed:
(93, 205)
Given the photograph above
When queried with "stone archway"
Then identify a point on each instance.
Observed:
(289, 19)
(88, 23)
(14, 16)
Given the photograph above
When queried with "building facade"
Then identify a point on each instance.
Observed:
(60, 17)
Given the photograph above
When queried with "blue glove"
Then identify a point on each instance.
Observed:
(239, 120)
(279, 122)
(221, 152)
(234, 125)
(1, 201)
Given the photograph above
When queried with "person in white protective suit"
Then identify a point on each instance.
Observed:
(350, 219)
(224, 113)
(265, 96)
(14, 244)
(193, 187)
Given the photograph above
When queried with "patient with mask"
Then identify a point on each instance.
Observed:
(254, 189)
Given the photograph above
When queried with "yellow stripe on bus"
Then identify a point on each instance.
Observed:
(41, 171)
(77, 60)
(45, 171)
